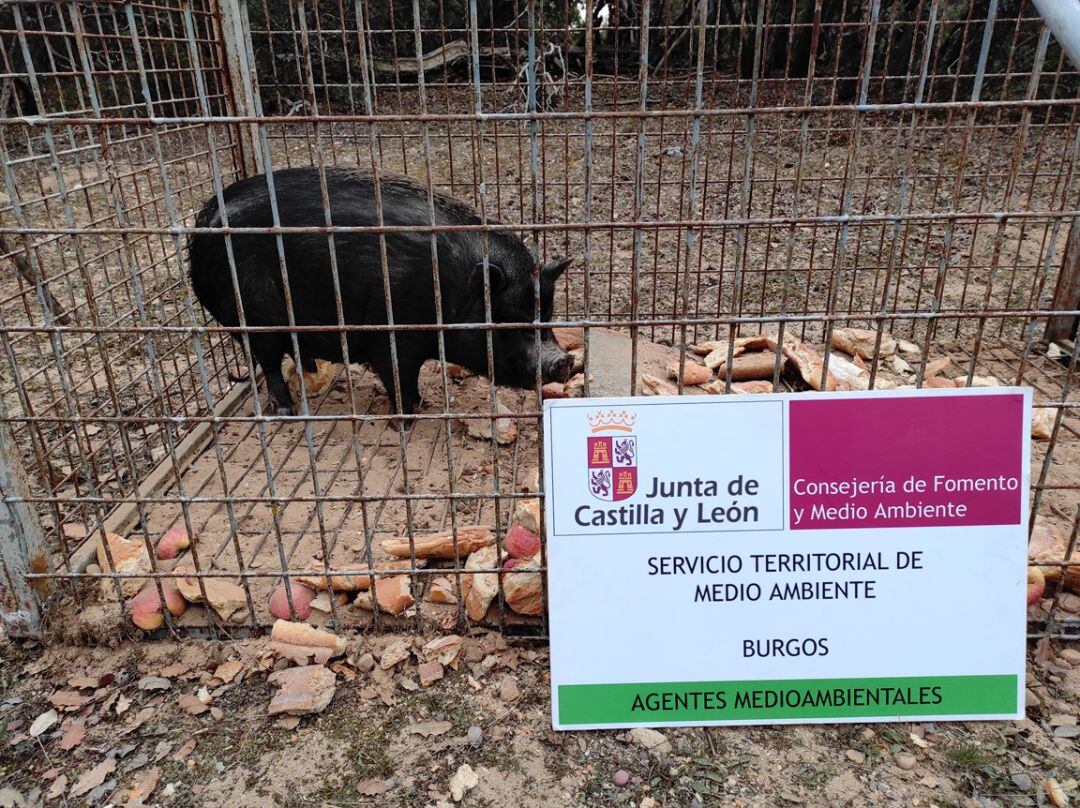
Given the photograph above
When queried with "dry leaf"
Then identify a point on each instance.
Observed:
(90, 682)
(154, 683)
(174, 670)
(74, 736)
(42, 723)
(372, 788)
(141, 718)
(123, 703)
(144, 789)
(227, 671)
(185, 750)
(192, 705)
(57, 789)
(430, 729)
(90, 780)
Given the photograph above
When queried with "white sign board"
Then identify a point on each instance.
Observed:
(787, 558)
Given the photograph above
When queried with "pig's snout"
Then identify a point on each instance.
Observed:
(555, 363)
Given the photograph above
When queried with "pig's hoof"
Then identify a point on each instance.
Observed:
(279, 409)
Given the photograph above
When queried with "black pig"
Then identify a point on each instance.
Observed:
(307, 259)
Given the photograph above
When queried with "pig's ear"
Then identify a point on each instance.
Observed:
(552, 270)
(495, 274)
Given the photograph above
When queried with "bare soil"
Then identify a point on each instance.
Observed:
(384, 740)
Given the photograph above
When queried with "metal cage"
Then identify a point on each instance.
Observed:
(719, 168)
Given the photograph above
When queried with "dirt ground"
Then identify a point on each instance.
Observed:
(118, 725)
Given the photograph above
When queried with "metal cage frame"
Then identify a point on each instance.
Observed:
(791, 167)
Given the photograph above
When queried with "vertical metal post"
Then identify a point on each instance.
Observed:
(241, 71)
(22, 546)
(1062, 17)
(1067, 292)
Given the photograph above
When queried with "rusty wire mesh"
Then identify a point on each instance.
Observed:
(719, 169)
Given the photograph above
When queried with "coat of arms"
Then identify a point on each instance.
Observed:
(612, 457)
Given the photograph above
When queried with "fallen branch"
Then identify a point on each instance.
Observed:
(440, 57)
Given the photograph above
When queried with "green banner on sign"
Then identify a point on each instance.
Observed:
(658, 703)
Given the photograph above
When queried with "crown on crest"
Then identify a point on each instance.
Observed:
(602, 421)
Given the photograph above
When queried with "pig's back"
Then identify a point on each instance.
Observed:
(352, 204)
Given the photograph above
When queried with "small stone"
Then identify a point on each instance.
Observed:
(303, 690)
(444, 650)
(1022, 781)
(226, 598)
(905, 760)
(930, 781)
(655, 743)
(395, 653)
(1069, 603)
(1071, 655)
(647, 802)
(866, 735)
(508, 689)
(464, 779)
(476, 736)
(430, 673)
(621, 778)
(1031, 699)
(405, 683)
(855, 756)
(365, 663)
(505, 428)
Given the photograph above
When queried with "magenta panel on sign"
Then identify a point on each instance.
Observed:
(906, 462)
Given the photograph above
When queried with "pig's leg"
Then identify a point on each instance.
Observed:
(408, 378)
(280, 397)
(269, 357)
